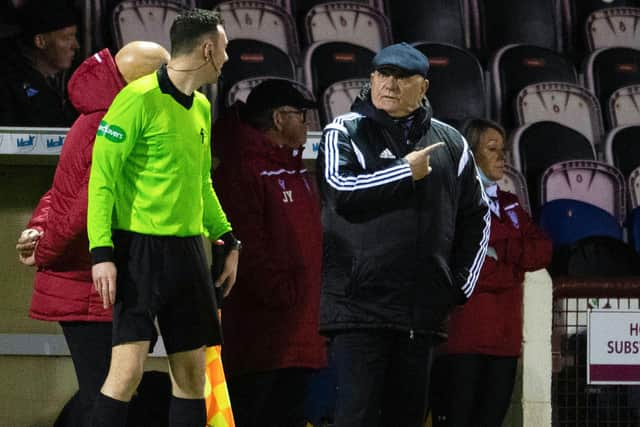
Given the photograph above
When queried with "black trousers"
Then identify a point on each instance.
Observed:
(382, 378)
(471, 390)
(270, 398)
(90, 347)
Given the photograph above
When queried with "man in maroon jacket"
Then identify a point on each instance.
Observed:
(271, 339)
(56, 238)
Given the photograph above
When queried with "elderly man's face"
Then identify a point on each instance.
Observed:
(59, 47)
(397, 96)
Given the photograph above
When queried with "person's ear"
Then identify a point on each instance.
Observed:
(277, 120)
(40, 41)
(426, 87)
(206, 52)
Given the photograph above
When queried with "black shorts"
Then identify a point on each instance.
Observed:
(165, 277)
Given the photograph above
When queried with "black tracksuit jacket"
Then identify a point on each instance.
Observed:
(398, 254)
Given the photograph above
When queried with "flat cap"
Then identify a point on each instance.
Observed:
(404, 57)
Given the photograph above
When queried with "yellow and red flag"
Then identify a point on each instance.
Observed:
(216, 395)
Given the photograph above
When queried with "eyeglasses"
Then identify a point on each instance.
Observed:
(302, 113)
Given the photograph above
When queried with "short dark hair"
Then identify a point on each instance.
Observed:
(472, 129)
(189, 26)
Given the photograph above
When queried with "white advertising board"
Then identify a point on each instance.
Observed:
(31, 140)
(613, 347)
(17, 140)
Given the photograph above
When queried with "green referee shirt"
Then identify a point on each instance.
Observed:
(151, 166)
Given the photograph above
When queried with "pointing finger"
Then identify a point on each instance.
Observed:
(430, 148)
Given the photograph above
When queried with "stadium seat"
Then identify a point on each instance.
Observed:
(326, 63)
(240, 90)
(537, 146)
(634, 229)
(253, 58)
(634, 188)
(514, 182)
(575, 14)
(434, 21)
(148, 20)
(349, 22)
(516, 66)
(262, 21)
(634, 216)
(210, 4)
(456, 90)
(624, 106)
(592, 182)
(566, 221)
(622, 148)
(565, 103)
(583, 205)
(613, 27)
(609, 69)
(338, 97)
(498, 23)
(597, 256)
(300, 8)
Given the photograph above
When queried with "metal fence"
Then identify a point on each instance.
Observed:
(576, 403)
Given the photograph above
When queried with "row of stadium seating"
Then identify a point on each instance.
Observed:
(580, 198)
(344, 37)
(571, 26)
(333, 72)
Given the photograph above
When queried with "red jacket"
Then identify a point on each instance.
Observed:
(270, 318)
(491, 321)
(63, 288)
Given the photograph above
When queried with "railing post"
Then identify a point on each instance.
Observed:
(531, 405)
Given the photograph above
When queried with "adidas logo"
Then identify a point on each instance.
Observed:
(386, 154)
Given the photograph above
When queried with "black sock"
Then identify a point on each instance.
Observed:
(187, 412)
(109, 412)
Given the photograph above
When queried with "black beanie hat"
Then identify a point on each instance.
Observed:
(43, 16)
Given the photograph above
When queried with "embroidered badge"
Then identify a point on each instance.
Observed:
(30, 91)
(513, 216)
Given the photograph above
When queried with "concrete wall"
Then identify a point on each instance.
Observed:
(33, 389)
(531, 401)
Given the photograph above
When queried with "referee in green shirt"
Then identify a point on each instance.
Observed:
(150, 201)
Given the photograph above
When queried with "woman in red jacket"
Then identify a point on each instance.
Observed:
(56, 238)
(477, 371)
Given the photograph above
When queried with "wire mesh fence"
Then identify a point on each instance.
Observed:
(576, 403)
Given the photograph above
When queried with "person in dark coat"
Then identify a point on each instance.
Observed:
(406, 228)
(55, 240)
(475, 377)
(270, 320)
(43, 50)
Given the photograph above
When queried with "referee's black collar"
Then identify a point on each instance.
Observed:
(167, 86)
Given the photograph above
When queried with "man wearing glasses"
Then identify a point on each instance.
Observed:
(405, 234)
(270, 320)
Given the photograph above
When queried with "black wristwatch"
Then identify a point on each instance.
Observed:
(231, 242)
(237, 245)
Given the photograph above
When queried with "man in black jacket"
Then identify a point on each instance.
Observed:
(406, 228)
(45, 48)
